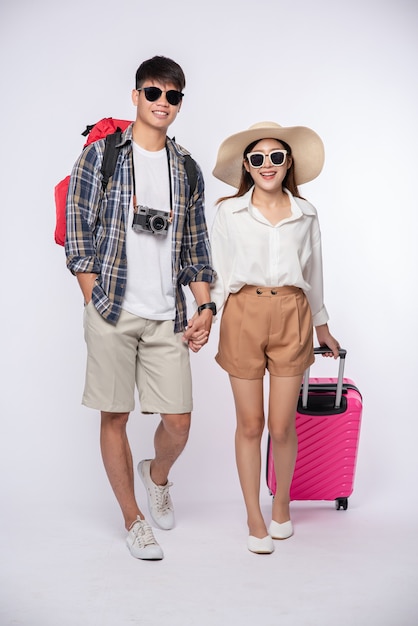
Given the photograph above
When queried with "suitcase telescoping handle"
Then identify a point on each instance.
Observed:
(339, 391)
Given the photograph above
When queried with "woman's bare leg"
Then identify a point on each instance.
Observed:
(248, 396)
(284, 393)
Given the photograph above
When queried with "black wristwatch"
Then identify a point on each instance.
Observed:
(208, 305)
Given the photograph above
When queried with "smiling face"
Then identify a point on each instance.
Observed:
(269, 177)
(158, 114)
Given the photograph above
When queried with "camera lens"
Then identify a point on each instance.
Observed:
(157, 223)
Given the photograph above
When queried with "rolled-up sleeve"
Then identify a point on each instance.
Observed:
(195, 256)
(83, 202)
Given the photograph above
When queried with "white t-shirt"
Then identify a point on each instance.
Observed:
(149, 286)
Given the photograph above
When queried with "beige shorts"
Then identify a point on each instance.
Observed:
(266, 327)
(140, 352)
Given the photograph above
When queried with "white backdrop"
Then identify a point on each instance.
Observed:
(346, 69)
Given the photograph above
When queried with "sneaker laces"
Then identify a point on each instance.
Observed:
(143, 533)
(162, 497)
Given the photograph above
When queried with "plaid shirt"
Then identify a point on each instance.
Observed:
(97, 222)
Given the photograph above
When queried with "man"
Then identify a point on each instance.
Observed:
(132, 248)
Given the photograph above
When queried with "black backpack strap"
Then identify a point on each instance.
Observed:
(191, 172)
(87, 130)
(110, 156)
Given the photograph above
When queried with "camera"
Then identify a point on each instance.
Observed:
(150, 221)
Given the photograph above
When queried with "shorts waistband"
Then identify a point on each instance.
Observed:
(268, 292)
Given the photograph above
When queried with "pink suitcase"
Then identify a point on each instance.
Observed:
(328, 422)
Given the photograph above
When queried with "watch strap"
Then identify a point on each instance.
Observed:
(207, 305)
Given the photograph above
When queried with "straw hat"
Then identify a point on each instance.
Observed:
(307, 151)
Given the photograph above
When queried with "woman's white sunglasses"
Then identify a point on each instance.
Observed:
(257, 159)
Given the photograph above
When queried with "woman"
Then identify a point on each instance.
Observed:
(266, 247)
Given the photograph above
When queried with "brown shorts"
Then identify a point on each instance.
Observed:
(266, 327)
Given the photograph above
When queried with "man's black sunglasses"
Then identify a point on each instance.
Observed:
(152, 94)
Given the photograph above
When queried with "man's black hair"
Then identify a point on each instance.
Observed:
(162, 69)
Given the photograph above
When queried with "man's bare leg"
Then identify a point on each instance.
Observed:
(117, 459)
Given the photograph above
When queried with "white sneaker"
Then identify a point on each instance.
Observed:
(159, 501)
(141, 541)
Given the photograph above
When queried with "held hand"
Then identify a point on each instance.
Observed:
(326, 339)
(198, 330)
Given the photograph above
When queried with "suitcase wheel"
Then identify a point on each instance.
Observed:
(341, 503)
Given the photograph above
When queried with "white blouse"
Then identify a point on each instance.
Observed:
(248, 250)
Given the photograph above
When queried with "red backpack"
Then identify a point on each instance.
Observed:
(110, 129)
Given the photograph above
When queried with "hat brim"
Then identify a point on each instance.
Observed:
(307, 151)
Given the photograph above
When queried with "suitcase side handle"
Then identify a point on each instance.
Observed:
(338, 393)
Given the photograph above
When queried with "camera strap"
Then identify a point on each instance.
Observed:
(135, 203)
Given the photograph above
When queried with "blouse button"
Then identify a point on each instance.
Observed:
(259, 292)
(273, 292)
